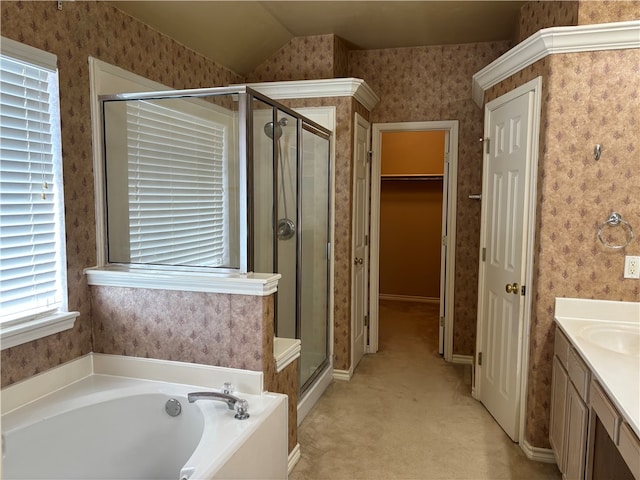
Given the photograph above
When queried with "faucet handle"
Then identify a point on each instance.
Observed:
(242, 409)
(227, 388)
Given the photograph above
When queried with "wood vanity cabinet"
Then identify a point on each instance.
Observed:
(569, 410)
(588, 436)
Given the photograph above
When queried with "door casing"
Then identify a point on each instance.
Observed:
(534, 86)
(448, 224)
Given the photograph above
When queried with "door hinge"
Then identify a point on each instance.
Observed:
(442, 321)
(366, 321)
(487, 147)
(479, 358)
(369, 155)
(522, 290)
(366, 240)
(446, 157)
(484, 254)
(444, 240)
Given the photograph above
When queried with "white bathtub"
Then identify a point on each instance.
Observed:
(111, 427)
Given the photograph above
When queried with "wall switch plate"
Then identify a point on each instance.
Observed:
(631, 267)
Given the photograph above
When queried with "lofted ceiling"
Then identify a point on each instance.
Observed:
(242, 34)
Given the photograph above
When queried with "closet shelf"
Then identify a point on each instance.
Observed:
(418, 176)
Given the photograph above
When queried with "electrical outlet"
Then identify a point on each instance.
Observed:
(631, 267)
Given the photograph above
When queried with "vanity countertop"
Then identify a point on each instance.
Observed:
(606, 334)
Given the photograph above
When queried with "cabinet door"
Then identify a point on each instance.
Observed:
(575, 447)
(558, 402)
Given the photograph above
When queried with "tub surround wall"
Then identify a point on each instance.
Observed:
(587, 98)
(207, 328)
(287, 382)
(225, 330)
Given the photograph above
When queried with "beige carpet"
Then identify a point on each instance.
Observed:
(407, 414)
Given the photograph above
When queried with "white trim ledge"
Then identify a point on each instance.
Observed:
(549, 41)
(294, 458)
(342, 375)
(462, 359)
(17, 333)
(544, 455)
(285, 351)
(329, 87)
(255, 284)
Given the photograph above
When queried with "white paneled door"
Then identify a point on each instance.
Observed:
(360, 247)
(505, 209)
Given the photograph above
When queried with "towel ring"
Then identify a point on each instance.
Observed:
(614, 220)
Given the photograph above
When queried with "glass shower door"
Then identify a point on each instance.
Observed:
(313, 261)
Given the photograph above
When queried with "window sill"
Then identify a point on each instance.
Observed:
(255, 284)
(17, 333)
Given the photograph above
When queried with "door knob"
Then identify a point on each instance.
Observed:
(357, 261)
(512, 288)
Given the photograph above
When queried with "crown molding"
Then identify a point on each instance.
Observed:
(549, 41)
(330, 87)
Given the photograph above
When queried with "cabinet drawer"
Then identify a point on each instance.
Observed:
(561, 347)
(605, 411)
(579, 374)
(629, 448)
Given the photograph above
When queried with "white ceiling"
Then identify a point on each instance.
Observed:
(242, 34)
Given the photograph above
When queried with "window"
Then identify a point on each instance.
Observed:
(33, 291)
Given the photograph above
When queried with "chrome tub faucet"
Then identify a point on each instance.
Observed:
(234, 403)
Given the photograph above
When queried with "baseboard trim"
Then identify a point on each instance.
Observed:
(294, 458)
(463, 359)
(544, 455)
(306, 403)
(408, 298)
(342, 375)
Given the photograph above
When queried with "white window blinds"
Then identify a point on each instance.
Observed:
(32, 249)
(177, 178)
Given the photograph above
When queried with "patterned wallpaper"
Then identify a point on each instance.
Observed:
(537, 15)
(428, 84)
(605, 11)
(212, 329)
(80, 30)
(303, 58)
(587, 98)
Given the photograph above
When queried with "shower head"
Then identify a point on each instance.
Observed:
(276, 132)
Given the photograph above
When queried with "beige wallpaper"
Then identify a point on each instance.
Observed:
(80, 30)
(303, 58)
(537, 15)
(588, 98)
(212, 329)
(605, 11)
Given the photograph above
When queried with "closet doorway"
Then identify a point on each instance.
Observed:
(416, 191)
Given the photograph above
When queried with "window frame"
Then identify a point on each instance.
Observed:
(24, 327)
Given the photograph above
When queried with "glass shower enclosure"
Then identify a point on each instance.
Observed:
(229, 181)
